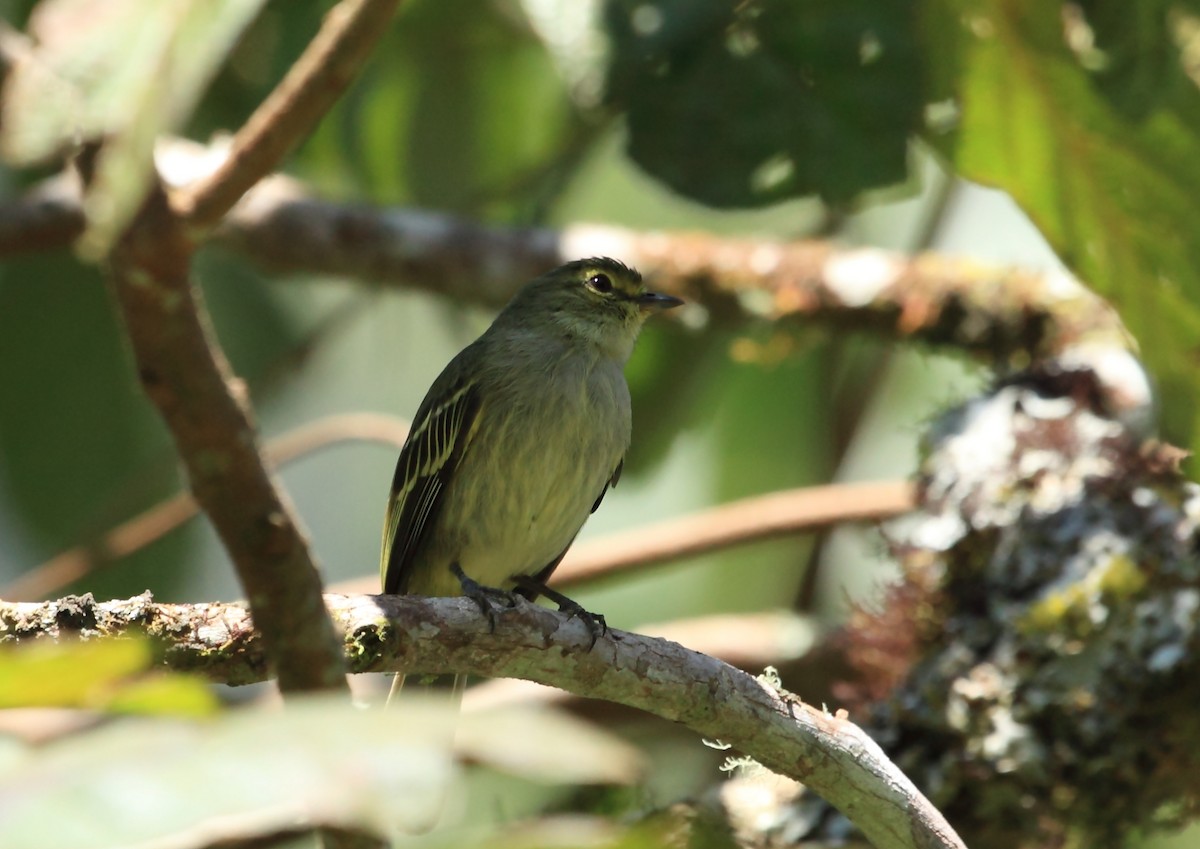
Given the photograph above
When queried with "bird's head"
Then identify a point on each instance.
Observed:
(599, 299)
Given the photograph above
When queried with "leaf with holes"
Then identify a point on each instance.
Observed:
(752, 103)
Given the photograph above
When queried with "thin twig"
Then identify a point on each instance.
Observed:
(762, 517)
(143, 529)
(311, 86)
(828, 753)
(748, 520)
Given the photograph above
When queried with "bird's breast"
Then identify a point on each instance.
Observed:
(541, 459)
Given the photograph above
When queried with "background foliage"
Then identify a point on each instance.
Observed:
(856, 119)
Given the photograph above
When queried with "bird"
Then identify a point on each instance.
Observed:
(517, 441)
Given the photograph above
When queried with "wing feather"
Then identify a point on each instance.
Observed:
(608, 484)
(441, 433)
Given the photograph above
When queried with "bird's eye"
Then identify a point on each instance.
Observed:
(600, 283)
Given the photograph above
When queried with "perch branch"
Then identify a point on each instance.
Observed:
(745, 640)
(828, 753)
(310, 87)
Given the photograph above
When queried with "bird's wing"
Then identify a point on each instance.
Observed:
(608, 484)
(441, 433)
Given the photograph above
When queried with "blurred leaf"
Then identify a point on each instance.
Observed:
(62, 674)
(585, 832)
(164, 693)
(125, 71)
(259, 60)
(501, 739)
(752, 103)
(1136, 55)
(462, 110)
(1117, 199)
(252, 772)
(98, 674)
(1133, 57)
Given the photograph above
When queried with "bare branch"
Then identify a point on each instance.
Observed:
(47, 218)
(435, 252)
(828, 753)
(997, 310)
(184, 371)
(311, 86)
(1009, 316)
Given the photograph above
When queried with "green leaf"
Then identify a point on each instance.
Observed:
(125, 71)
(1131, 54)
(1137, 55)
(174, 694)
(252, 772)
(98, 674)
(1118, 199)
(66, 674)
(745, 104)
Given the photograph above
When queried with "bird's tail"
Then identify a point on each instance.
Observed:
(453, 697)
(397, 686)
(456, 690)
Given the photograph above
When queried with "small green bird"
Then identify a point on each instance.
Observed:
(518, 440)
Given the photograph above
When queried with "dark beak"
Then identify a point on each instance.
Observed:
(655, 302)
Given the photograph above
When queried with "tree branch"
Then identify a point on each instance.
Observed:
(420, 635)
(1010, 316)
(185, 373)
(1000, 311)
(312, 85)
(47, 218)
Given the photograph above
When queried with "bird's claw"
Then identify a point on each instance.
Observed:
(594, 622)
(486, 598)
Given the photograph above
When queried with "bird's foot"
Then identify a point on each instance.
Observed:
(594, 622)
(487, 598)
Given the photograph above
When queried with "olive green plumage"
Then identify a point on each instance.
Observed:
(519, 437)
